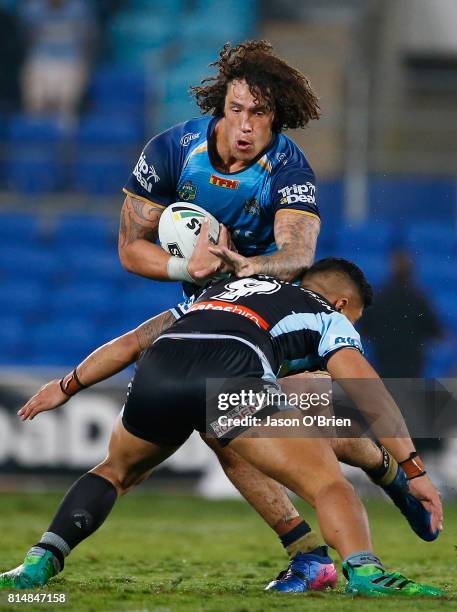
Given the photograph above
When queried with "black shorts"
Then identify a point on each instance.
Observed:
(168, 396)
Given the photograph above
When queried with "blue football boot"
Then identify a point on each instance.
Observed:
(411, 508)
(306, 572)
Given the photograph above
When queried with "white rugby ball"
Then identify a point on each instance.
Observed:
(180, 226)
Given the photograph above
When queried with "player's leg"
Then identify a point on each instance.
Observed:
(383, 470)
(309, 467)
(310, 567)
(86, 506)
(373, 459)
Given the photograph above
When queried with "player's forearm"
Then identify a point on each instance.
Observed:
(145, 259)
(117, 354)
(286, 264)
(380, 411)
(109, 359)
(296, 238)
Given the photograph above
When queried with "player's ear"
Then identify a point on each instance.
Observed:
(341, 304)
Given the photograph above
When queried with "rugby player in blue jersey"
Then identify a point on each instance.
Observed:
(237, 164)
(273, 322)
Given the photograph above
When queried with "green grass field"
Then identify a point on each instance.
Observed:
(170, 552)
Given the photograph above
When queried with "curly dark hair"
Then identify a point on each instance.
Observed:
(350, 270)
(286, 91)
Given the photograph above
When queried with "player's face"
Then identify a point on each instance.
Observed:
(248, 122)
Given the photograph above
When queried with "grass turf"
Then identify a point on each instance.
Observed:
(172, 552)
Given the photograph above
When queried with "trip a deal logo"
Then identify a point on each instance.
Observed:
(223, 182)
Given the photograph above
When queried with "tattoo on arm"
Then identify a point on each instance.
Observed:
(296, 237)
(139, 221)
(149, 331)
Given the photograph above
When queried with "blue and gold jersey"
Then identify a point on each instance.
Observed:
(177, 165)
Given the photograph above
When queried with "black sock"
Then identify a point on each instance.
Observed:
(385, 473)
(83, 509)
(302, 539)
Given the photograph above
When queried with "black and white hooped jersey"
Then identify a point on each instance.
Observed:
(296, 328)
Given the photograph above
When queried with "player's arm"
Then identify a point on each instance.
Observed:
(363, 385)
(295, 236)
(138, 232)
(101, 364)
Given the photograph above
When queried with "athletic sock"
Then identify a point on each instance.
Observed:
(361, 558)
(301, 538)
(386, 472)
(83, 509)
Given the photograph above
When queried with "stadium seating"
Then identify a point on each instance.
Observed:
(35, 162)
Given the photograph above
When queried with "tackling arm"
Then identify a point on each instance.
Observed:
(363, 385)
(103, 363)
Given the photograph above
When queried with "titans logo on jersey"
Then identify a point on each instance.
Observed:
(177, 165)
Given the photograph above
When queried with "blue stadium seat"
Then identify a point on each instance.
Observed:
(116, 89)
(99, 174)
(29, 262)
(27, 129)
(33, 171)
(141, 301)
(62, 341)
(34, 163)
(99, 130)
(13, 338)
(330, 202)
(87, 263)
(432, 237)
(19, 226)
(444, 301)
(85, 298)
(441, 358)
(85, 230)
(437, 272)
(18, 297)
(407, 200)
(137, 39)
(369, 236)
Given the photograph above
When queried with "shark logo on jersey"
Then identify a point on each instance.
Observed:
(145, 173)
(305, 193)
(244, 287)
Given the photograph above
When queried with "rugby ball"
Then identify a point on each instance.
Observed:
(180, 226)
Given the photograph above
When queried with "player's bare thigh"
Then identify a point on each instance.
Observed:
(130, 460)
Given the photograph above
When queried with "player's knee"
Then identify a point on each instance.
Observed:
(338, 489)
(122, 477)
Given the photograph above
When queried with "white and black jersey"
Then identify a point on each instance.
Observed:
(295, 328)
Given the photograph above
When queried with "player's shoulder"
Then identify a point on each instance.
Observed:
(182, 136)
(287, 156)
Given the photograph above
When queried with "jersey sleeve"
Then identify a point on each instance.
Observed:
(338, 333)
(294, 189)
(155, 175)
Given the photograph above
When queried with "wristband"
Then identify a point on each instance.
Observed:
(177, 269)
(70, 384)
(413, 466)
